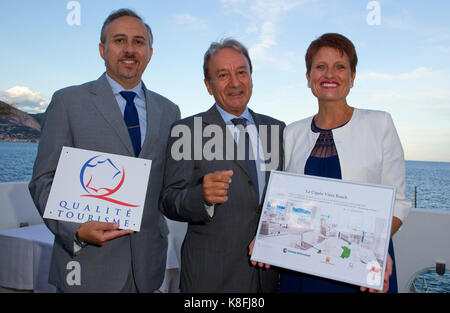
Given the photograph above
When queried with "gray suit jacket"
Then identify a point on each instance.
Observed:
(215, 249)
(88, 117)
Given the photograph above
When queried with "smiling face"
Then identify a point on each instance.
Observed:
(230, 80)
(330, 78)
(126, 50)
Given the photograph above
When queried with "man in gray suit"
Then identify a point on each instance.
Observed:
(217, 191)
(91, 116)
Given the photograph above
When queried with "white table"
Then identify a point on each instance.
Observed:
(25, 255)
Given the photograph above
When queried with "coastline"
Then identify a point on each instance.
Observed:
(21, 140)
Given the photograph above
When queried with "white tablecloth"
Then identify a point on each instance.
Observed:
(25, 255)
(25, 258)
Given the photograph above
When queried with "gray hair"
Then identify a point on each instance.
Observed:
(224, 43)
(119, 13)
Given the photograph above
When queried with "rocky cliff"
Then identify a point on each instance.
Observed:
(16, 125)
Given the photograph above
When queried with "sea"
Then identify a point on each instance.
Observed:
(427, 183)
(427, 186)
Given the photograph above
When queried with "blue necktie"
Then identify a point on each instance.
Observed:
(131, 118)
(251, 164)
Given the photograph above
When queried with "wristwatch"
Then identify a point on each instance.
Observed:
(80, 242)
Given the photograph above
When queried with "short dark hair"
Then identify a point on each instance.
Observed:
(219, 45)
(119, 13)
(332, 40)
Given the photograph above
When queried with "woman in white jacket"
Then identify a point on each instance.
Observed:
(342, 142)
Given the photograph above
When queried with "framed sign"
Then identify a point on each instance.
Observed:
(326, 227)
(97, 186)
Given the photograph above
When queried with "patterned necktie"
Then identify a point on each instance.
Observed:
(243, 135)
(132, 121)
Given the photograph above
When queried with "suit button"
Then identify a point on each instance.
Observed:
(250, 183)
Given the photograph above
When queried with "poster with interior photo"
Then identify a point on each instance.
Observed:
(326, 227)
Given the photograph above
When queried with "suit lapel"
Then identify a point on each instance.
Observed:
(104, 101)
(154, 116)
(265, 139)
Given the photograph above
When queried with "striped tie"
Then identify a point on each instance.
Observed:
(131, 118)
(243, 135)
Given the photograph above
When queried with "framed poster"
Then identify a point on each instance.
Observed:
(326, 227)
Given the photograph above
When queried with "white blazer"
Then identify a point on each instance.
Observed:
(368, 147)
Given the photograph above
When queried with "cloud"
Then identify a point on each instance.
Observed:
(400, 23)
(421, 73)
(422, 90)
(187, 19)
(432, 101)
(263, 17)
(439, 37)
(261, 9)
(24, 99)
(261, 50)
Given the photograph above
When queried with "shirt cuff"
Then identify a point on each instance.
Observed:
(209, 209)
(78, 245)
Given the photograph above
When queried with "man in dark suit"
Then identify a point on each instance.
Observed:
(96, 116)
(218, 163)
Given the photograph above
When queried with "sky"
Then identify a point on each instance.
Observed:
(403, 49)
